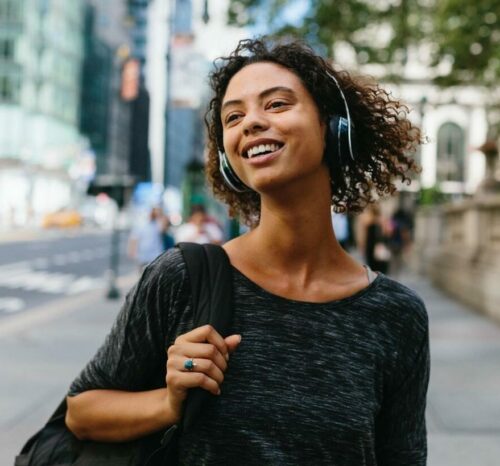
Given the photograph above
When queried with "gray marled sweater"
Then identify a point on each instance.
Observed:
(337, 383)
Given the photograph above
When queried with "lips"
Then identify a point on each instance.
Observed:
(264, 159)
(260, 148)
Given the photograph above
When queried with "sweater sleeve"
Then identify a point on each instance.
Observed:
(133, 355)
(401, 437)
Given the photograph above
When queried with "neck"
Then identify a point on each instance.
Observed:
(295, 232)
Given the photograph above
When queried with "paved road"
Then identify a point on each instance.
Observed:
(52, 265)
(41, 352)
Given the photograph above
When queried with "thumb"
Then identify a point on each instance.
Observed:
(232, 342)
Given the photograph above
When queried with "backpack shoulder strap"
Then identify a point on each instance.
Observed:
(210, 278)
(220, 282)
(197, 268)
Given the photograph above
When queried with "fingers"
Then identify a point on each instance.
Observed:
(181, 381)
(204, 366)
(232, 342)
(210, 353)
(198, 351)
(206, 334)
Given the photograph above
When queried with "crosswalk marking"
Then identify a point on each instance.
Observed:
(21, 275)
(11, 304)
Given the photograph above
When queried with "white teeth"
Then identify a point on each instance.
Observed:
(256, 150)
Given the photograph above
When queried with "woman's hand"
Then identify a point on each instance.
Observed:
(210, 354)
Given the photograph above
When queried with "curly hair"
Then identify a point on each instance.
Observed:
(385, 137)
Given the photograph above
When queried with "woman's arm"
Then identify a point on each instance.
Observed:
(118, 416)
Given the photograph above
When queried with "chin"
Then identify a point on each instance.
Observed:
(269, 184)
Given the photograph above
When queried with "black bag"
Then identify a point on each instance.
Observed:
(210, 279)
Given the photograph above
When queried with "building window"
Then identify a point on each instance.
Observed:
(10, 88)
(10, 9)
(6, 49)
(450, 153)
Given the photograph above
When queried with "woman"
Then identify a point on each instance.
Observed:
(329, 361)
(376, 250)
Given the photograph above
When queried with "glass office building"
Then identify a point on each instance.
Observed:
(41, 52)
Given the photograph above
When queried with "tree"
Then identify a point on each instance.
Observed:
(467, 36)
(379, 31)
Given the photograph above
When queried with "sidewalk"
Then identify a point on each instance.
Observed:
(41, 354)
(39, 360)
(463, 412)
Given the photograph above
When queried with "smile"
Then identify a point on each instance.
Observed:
(260, 148)
(266, 156)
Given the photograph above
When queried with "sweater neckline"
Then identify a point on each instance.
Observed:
(348, 299)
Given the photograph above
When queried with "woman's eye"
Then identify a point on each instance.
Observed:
(231, 117)
(277, 104)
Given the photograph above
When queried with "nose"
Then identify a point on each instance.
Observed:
(255, 122)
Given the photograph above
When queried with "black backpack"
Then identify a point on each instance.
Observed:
(210, 280)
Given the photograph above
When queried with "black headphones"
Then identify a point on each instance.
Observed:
(342, 131)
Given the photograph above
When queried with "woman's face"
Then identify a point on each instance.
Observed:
(272, 130)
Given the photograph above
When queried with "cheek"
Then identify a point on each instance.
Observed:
(230, 143)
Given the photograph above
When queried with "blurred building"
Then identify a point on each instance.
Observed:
(452, 119)
(115, 101)
(110, 80)
(41, 54)
(184, 142)
(139, 156)
(96, 92)
(198, 34)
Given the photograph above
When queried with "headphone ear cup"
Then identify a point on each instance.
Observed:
(230, 176)
(338, 135)
(339, 129)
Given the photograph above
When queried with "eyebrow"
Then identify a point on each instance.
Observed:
(262, 95)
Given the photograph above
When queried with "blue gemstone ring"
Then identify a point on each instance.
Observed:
(189, 364)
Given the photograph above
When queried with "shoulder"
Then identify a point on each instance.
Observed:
(401, 305)
(167, 270)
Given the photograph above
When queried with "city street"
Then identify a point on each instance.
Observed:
(43, 350)
(55, 264)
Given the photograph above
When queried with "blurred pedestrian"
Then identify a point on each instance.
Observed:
(167, 235)
(328, 362)
(146, 240)
(376, 240)
(200, 228)
(401, 232)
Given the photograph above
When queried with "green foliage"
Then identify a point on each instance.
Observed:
(360, 23)
(431, 196)
(468, 33)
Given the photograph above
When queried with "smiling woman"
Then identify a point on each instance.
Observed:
(384, 137)
(327, 361)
